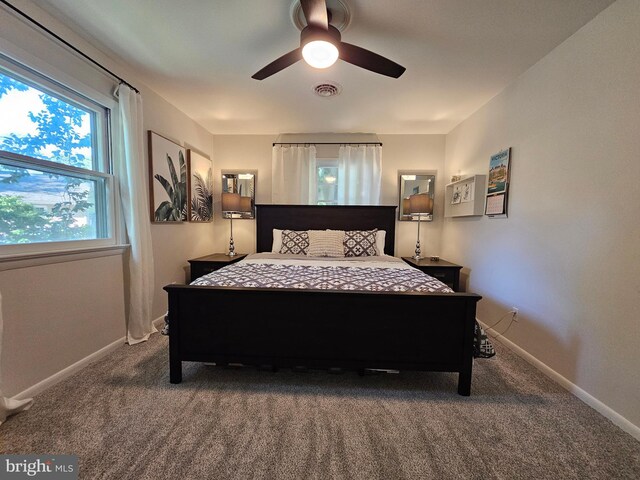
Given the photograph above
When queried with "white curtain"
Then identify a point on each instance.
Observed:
(359, 174)
(9, 406)
(294, 176)
(130, 170)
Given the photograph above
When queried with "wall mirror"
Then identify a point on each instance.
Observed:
(414, 183)
(243, 183)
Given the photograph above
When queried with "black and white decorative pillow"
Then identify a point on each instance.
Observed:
(294, 241)
(482, 347)
(360, 243)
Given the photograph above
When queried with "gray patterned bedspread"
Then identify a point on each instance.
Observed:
(320, 277)
(388, 275)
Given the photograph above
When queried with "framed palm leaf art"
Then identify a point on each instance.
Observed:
(200, 205)
(167, 180)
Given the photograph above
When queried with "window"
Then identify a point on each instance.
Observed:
(353, 177)
(55, 181)
(327, 181)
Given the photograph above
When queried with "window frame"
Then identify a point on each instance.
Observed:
(102, 163)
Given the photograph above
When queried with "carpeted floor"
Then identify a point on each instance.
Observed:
(124, 420)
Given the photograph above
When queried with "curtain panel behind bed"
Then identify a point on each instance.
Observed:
(293, 176)
(359, 174)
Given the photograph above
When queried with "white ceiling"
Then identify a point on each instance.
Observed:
(200, 55)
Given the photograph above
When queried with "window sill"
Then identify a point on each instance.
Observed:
(13, 262)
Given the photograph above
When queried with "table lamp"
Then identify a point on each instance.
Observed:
(231, 204)
(420, 204)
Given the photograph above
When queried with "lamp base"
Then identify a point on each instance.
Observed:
(232, 247)
(417, 252)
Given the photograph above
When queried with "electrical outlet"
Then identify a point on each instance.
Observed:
(514, 313)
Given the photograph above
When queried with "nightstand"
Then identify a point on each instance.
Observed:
(203, 265)
(444, 271)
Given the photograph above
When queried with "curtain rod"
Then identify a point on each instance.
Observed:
(325, 143)
(62, 40)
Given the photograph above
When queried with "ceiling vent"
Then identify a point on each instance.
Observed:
(327, 89)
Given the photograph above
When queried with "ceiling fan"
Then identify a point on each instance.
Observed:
(321, 46)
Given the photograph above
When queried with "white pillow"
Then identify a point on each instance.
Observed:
(380, 239)
(277, 241)
(326, 243)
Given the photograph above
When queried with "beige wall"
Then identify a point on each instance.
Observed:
(399, 152)
(49, 325)
(568, 256)
(174, 244)
(414, 152)
(55, 315)
(240, 152)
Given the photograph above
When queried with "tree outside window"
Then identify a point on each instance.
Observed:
(40, 199)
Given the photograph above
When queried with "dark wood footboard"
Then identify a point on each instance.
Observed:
(322, 329)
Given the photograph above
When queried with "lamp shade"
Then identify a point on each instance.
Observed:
(230, 202)
(406, 206)
(421, 203)
(245, 204)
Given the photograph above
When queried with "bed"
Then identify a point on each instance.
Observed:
(319, 328)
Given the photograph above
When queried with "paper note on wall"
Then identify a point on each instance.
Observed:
(495, 205)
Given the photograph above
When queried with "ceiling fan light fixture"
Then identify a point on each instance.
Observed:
(320, 53)
(321, 45)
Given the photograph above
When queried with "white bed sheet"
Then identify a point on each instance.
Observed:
(379, 261)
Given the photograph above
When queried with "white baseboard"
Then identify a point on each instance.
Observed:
(76, 367)
(590, 400)
(70, 370)
(587, 398)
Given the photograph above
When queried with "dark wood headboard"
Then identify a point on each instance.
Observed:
(321, 217)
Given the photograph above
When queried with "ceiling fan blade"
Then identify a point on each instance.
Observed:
(315, 12)
(371, 61)
(279, 64)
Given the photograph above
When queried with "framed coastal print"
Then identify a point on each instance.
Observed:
(200, 185)
(167, 180)
(498, 184)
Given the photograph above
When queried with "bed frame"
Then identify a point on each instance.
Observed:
(322, 329)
